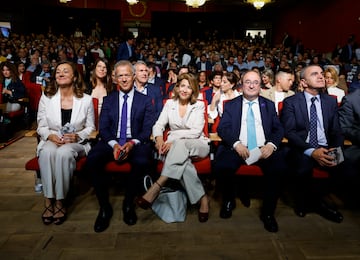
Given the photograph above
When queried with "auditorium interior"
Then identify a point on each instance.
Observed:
(320, 25)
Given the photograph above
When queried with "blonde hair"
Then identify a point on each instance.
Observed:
(193, 84)
(334, 74)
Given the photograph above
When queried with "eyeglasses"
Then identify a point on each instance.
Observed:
(125, 76)
(255, 83)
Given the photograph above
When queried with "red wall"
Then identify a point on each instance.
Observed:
(319, 24)
(321, 27)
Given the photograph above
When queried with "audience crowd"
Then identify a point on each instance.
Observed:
(231, 76)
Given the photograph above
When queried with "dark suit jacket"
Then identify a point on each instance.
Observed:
(123, 52)
(349, 115)
(230, 122)
(18, 91)
(208, 66)
(208, 94)
(142, 117)
(294, 117)
(154, 92)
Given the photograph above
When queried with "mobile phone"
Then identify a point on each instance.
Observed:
(120, 155)
(333, 153)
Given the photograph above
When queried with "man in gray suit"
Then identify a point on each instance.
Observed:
(349, 116)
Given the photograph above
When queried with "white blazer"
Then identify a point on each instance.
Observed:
(190, 126)
(49, 118)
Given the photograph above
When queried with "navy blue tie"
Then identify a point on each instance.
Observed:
(251, 131)
(123, 124)
(313, 124)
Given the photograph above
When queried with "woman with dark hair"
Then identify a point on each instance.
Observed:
(65, 120)
(185, 116)
(100, 81)
(12, 87)
(227, 91)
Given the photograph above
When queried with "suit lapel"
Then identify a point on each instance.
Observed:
(263, 112)
(303, 110)
(75, 109)
(325, 112)
(238, 119)
(134, 107)
(116, 114)
(54, 109)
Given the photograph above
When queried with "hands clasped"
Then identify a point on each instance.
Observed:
(121, 152)
(244, 152)
(162, 147)
(323, 158)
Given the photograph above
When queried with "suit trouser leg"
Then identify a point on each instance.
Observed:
(351, 176)
(140, 160)
(273, 169)
(65, 164)
(307, 196)
(98, 156)
(227, 161)
(178, 166)
(47, 168)
(57, 165)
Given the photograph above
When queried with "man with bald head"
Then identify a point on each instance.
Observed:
(250, 127)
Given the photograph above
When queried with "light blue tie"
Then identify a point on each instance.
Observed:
(251, 131)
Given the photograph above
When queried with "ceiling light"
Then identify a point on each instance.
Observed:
(258, 4)
(195, 3)
(132, 2)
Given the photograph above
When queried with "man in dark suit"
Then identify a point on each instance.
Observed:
(310, 148)
(119, 133)
(142, 86)
(154, 80)
(236, 147)
(204, 64)
(349, 116)
(126, 50)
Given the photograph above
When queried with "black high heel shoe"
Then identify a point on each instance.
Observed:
(204, 216)
(143, 203)
(59, 220)
(49, 219)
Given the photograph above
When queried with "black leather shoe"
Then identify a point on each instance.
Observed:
(245, 200)
(330, 214)
(270, 223)
(300, 212)
(129, 216)
(226, 209)
(103, 219)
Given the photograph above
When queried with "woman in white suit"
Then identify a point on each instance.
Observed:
(65, 120)
(184, 115)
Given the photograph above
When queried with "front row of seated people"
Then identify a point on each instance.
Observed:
(127, 121)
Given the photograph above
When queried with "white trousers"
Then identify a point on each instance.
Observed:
(178, 165)
(57, 164)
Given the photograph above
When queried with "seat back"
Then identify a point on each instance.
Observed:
(280, 107)
(96, 112)
(1, 87)
(334, 96)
